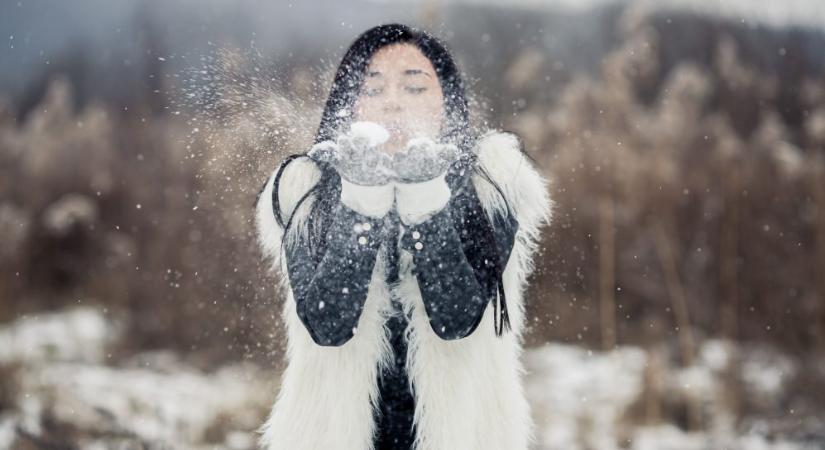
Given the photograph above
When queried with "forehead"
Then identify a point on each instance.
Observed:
(401, 57)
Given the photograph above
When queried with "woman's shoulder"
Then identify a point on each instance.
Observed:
(298, 166)
(292, 178)
(499, 139)
(503, 158)
(502, 155)
(501, 151)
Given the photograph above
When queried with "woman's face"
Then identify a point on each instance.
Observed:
(401, 92)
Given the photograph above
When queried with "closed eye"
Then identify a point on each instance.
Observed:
(415, 90)
(373, 91)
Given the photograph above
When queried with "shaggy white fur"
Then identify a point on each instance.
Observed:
(469, 392)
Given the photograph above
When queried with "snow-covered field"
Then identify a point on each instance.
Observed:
(59, 385)
(57, 388)
(627, 398)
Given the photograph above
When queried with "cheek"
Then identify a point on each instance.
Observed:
(428, 111)
(366, 109)
(434, 104)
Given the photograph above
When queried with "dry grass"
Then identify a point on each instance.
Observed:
(689, 197)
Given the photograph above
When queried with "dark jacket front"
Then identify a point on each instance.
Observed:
(452, 294)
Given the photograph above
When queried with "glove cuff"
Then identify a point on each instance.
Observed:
(418, 201)
(373, 201)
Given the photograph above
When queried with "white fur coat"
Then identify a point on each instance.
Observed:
(469, 393)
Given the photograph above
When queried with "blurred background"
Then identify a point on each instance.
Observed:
(678, 300)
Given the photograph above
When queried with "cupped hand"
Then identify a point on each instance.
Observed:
(356, 155)
(423, 159)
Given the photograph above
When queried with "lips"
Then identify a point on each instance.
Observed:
(404, 129)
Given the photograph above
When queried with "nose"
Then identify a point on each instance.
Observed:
(392, 105)
(392, 102)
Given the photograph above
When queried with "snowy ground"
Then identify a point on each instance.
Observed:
(58, 389)
(58, 385)
(628, 398)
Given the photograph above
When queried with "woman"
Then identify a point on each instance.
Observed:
(397, 229)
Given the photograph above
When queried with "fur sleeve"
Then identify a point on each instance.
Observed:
(298, 177)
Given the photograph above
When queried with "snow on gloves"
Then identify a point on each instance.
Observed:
(369, 176)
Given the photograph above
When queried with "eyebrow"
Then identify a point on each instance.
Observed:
(375, 73)
(416, 72)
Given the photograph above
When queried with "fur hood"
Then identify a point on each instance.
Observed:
(469, 392)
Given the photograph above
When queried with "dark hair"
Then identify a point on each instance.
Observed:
(475, 228)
